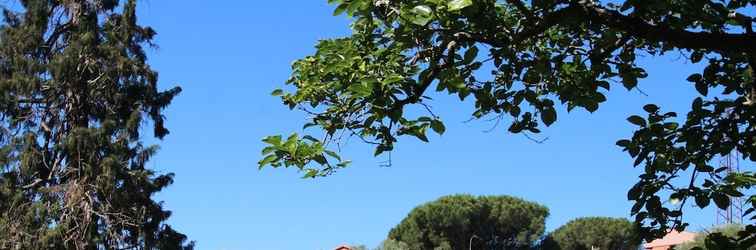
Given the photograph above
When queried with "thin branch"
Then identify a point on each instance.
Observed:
(634, 26)
(637, 27)
(542, 141)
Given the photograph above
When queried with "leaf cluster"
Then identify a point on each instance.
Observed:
(541, 55)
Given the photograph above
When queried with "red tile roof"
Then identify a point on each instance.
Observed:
(672, 239)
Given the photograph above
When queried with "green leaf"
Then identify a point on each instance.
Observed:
(310, 174)
(268, 150)
(722, 200)
(310, 138)
(438, 127)
(637, 207)
(343, 164)
(604, 84)
(671, 125)
(749, 211)
(333, 154)
(421, 135)
(732, 192)
(423, 15)
(273, 140)
(650, 108)
(548, 116)
(635, 192)
(360, 89)
(309, 124)
(696, 57)
(455, 5)
(320, 159)
(702, 88)
(640, 159)
(420, 20)
(267, 160)
(637, 120)
(697, 104)
(277, 92)
(470, 55)
(340, 9)
(515, 128)
(393, 79)
(702, 200)
(380, 149)
(695, 78)
(629, 80)
(422, 10)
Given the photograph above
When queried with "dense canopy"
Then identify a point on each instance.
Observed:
(464, 221)
(520, 61)
(594, 232)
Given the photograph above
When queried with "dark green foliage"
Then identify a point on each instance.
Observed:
(390, 244)
(594, 232)
(489, 222)
(707, 239)
(544, 55)
(75, 91)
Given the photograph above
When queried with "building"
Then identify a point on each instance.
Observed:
(343, 247)
(674, 238)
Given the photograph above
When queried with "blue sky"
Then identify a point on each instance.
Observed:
(229, 55)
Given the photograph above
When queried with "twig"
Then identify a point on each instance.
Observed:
(535, 140)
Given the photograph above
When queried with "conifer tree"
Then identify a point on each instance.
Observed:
(594, 233)
(472, 222)
(76, 90)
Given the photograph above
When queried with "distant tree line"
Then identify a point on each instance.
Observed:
(459, 222)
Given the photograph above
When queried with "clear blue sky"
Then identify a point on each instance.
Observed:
(229, 55)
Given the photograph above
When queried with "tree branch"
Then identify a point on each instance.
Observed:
(415, 96)
(637, 27)
(633, 26)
